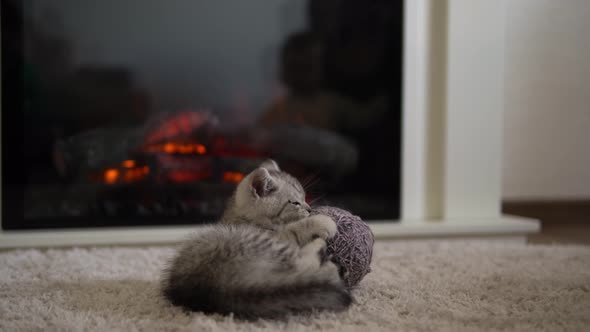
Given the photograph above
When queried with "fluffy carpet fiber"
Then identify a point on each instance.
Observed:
(450, 286)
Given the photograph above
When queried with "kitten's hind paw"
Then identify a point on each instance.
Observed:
(324, 255)
(342, 271)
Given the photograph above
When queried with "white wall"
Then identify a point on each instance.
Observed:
(547, 120)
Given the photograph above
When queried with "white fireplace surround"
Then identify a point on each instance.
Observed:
(452, 131)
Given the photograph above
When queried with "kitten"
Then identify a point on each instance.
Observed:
(266, 257)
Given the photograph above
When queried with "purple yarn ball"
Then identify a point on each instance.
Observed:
(352, 247)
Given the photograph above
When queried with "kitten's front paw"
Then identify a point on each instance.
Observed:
(325, 227)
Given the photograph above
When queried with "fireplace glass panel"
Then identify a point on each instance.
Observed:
(138, 112)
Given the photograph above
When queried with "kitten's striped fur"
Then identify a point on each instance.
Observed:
(265, 258)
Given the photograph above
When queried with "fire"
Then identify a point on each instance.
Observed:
(136, 174)
(111, 175)
(201, 149)
(169, 148)
(128, 163)
(233, 177)
(179, 124)
(178, 148)
(129, 173)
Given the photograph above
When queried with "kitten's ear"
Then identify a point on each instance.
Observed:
(262, 183)
(270, 165)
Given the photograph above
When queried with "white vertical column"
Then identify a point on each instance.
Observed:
(424, 98)
(415, 90)
(474, 108)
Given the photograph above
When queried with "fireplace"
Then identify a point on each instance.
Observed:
(129, 113)
(451, 135)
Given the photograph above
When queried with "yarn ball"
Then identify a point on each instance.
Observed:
(352, 246)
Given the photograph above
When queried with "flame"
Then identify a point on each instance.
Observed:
(179, 124)
(128, 174)
(233, 177)
(136, 174)
(180, 148)
(201, 149)
(169, 148)
(111, 175)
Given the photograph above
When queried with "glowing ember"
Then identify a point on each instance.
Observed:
(201, 149)
(111, 176)
(128, 163)
(233, 177)
(136, 174)
(178, 148)
(169, 148)
(128, 174)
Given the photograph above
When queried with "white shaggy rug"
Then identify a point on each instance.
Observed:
(437, 286)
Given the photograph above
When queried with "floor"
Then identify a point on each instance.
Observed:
(414, 286)
(561, 222)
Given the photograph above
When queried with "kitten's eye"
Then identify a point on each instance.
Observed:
(295, 203)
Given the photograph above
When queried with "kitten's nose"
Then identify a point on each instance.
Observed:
(307, 207)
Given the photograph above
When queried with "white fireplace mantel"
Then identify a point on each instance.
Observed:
(452, 132)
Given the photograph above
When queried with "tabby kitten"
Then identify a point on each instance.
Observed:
(265, 258)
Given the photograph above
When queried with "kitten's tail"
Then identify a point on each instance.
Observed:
(271, 302)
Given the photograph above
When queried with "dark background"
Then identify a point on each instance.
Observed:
(330, 64)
